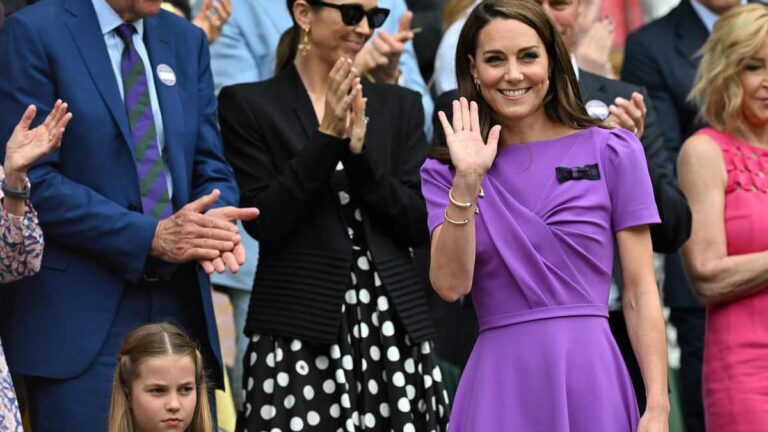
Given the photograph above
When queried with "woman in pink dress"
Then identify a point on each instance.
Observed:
(723, 170)
(21, 241)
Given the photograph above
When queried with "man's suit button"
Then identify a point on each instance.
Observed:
(132, 207)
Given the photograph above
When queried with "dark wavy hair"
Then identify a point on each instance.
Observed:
(562, 103)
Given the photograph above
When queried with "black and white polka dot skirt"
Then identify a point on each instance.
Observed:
(373, 379)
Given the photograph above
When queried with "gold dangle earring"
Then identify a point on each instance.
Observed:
(477, 85)
(304, 45)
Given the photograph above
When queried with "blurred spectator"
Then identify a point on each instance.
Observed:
(626, 15)
(661, 57)
(211, 16)
(427, 16)
(724, 172)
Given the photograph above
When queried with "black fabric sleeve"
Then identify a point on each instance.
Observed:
(675, 226)
(283, 194)
(394, 200)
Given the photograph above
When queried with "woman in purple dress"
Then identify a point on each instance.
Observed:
(530, 229)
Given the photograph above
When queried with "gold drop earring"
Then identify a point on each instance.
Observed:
(304, 45)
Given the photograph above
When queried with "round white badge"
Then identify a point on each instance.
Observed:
(166, 74)
(597, 109)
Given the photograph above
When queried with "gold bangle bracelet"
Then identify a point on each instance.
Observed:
(455, 222)
(465, 205)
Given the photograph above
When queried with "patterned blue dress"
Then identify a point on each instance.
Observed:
(21, 250)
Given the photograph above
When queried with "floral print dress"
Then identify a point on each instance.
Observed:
(21, 250)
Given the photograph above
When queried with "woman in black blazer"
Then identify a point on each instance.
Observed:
(340, 331)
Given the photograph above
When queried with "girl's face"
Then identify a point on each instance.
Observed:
(163, 397)
(511, 68)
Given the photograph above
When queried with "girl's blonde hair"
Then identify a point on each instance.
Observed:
(736, 36)
(152, 341)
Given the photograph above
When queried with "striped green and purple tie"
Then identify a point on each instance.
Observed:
(152, 173)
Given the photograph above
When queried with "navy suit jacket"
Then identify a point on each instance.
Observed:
(662, 58)
(86, 193)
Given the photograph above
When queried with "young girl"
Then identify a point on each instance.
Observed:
(159, 383)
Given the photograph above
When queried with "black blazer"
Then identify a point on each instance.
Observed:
(661, 57)
(675, 226)
(287, 169)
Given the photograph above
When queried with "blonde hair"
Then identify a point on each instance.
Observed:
(736, 36)
(152, 341)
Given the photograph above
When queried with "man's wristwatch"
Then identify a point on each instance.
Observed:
(22, 194)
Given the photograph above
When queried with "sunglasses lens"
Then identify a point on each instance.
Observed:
(377, 17)
(352, 14)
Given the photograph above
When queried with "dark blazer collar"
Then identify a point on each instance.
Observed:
(293, 88)
(592, 86)
(691, 32)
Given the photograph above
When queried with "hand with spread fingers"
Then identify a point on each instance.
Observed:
(212, 17)
(628, 114)
(469, 153)
(26, 145)
(343, 87)
(380, 58)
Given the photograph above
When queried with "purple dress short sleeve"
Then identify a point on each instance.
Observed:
(436, 181)
(628, 181)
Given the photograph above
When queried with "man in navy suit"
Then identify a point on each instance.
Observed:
(662, 57)
(136, 206)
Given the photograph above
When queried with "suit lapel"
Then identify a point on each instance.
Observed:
(160, 47)
(302, 102)
(592, 89)
(691, 34)
(86, 33)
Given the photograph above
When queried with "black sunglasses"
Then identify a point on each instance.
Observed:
(353, 13)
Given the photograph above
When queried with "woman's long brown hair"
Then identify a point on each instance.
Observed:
(562, 103)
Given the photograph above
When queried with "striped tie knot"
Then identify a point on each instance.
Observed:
(125, 33)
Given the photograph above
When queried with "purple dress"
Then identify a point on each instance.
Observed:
(545, 359)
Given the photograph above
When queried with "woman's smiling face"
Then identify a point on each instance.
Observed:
(511, 67)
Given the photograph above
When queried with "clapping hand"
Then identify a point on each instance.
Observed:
(195, 233)
(234, 258)
(469, 154)
(357, 124)
(26, 145)
(343, 87)
(628, 114)
(381, 57)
